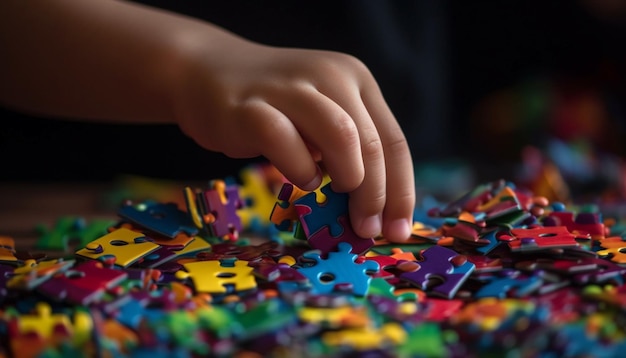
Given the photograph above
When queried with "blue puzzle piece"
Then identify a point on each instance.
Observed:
(163, 218)
(338, 269)
(493, 242)
(314, 216)
(500, 287)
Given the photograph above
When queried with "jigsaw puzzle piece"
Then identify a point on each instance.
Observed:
(488, 242)
(58, 237)
(7, 251)
(589, 223)
(163, 218)
(508, 283)
(614, 248)
(604, 272)
(258, 194)
(33, 273)
(284, 214)
(334, 317)
(442, 268)
(384, 262)
(315, 215)
(338, 268)
(279, 272)
(83, 284)
(540, 238)
(249, 253)
(219, 205)
(470, 201)
(421, 232)
(323, 240)
(366, 338)
(125, 245)
(465, 230)
(196, 246)
(156, 258)
(506, 193)
(42, 329)
(215, 276)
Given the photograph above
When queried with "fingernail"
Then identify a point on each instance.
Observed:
(399, 230)
(371, 226)
(313, 184)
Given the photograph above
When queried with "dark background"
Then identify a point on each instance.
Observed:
(468, 80)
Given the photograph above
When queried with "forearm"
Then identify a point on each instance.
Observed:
(95, 59)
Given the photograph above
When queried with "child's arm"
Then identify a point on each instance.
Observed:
(117, 61)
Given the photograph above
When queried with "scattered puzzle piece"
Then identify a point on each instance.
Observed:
(339, 268)
(125, 245)
(442, 268)
(539, 238)
(219, 205)
(614, 248)
(284, 214)
(322, 239)
(163, 218)
(314, 215)
(214, 276)
(83, 284)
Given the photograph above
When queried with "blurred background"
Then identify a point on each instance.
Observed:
(528, 91)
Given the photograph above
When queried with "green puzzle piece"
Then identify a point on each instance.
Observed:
(69, 229)
(424, 340)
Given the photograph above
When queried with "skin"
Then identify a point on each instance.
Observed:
(109, 60)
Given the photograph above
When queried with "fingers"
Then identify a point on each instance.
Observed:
(347, 124)
(330, 132)
(385, 200)
(368, 200)
(364, 151)
(400, 203)
(269, 130)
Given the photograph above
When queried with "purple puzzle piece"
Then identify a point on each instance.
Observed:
(322, 240)
(605, 271)
(279, 273)
(439, 263)
(226, 219)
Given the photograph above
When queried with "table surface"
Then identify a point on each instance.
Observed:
(25, 206)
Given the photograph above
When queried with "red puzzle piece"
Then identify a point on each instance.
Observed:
(83, 284)
(540, 238)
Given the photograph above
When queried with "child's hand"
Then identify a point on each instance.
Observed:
(301, 108)
(118, 61)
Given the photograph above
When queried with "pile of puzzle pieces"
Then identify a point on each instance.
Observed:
(265, 269)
